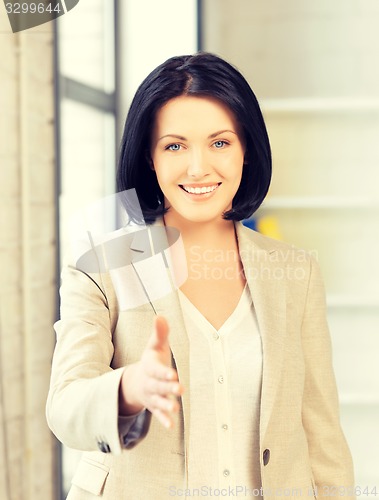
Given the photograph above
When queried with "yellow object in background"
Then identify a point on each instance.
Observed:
(268, 225)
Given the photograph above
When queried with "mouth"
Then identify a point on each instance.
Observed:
(200, 190)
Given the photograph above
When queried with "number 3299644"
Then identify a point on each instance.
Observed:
(32, 8)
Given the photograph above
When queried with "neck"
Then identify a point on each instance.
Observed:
(220, 233)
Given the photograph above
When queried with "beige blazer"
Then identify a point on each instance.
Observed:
(301, 444)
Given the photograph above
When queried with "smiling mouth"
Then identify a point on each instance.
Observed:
(200, 190)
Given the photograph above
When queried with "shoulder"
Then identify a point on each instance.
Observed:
(270, 260)
(276, 260)
(253, 241)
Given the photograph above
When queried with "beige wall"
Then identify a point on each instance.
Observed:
(298, 48)
(27, 260)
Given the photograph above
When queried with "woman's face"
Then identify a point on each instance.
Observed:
(197, 150)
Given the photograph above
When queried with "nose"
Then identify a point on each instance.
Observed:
(196, 165)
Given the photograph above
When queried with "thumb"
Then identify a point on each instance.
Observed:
(160, 333)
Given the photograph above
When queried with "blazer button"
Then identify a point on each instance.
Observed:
(104, 447)
(266, 456)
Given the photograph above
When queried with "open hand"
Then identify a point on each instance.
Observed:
(152, 383)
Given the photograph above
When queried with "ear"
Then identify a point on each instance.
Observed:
(149, 160)
(245, 154)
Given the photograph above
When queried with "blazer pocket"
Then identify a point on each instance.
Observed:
(90, 476)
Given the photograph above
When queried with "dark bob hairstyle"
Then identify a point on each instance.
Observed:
(202, 74)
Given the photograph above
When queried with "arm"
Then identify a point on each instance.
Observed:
(91, 406)
(329, 454)
(83, 402)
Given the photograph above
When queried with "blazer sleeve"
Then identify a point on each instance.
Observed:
(82, 404)
(330, 458)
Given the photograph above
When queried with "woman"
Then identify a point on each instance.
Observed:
(229, 391)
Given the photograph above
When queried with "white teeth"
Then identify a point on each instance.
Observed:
(198, 190)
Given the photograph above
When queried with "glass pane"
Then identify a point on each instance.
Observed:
(88, 159)
(87, 174)
(86, 36)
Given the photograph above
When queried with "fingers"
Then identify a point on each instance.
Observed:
(161, 328)
(158, 370)
(162, 398)
(159, 378)
(159, 336)
(161, 388)
(163, 418)
(163, 409)
(157, 353)
(164, 404)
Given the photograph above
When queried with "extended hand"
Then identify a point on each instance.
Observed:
(152, 383)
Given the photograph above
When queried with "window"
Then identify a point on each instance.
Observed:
(86, 121)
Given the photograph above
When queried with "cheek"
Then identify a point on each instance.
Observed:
(164, 175)
(167, 168)
(233, 167)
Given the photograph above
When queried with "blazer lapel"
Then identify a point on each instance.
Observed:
(264, 274)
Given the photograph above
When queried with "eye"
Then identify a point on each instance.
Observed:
(173, 147)
(220, 144)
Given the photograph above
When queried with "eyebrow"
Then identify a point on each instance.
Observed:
(212, 136)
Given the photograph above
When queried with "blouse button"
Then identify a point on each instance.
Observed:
(221, 379)
(225, 427)
(226, 473)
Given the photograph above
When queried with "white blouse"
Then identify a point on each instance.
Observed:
(225, 389)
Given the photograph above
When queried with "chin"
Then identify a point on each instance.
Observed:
(200, 216)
